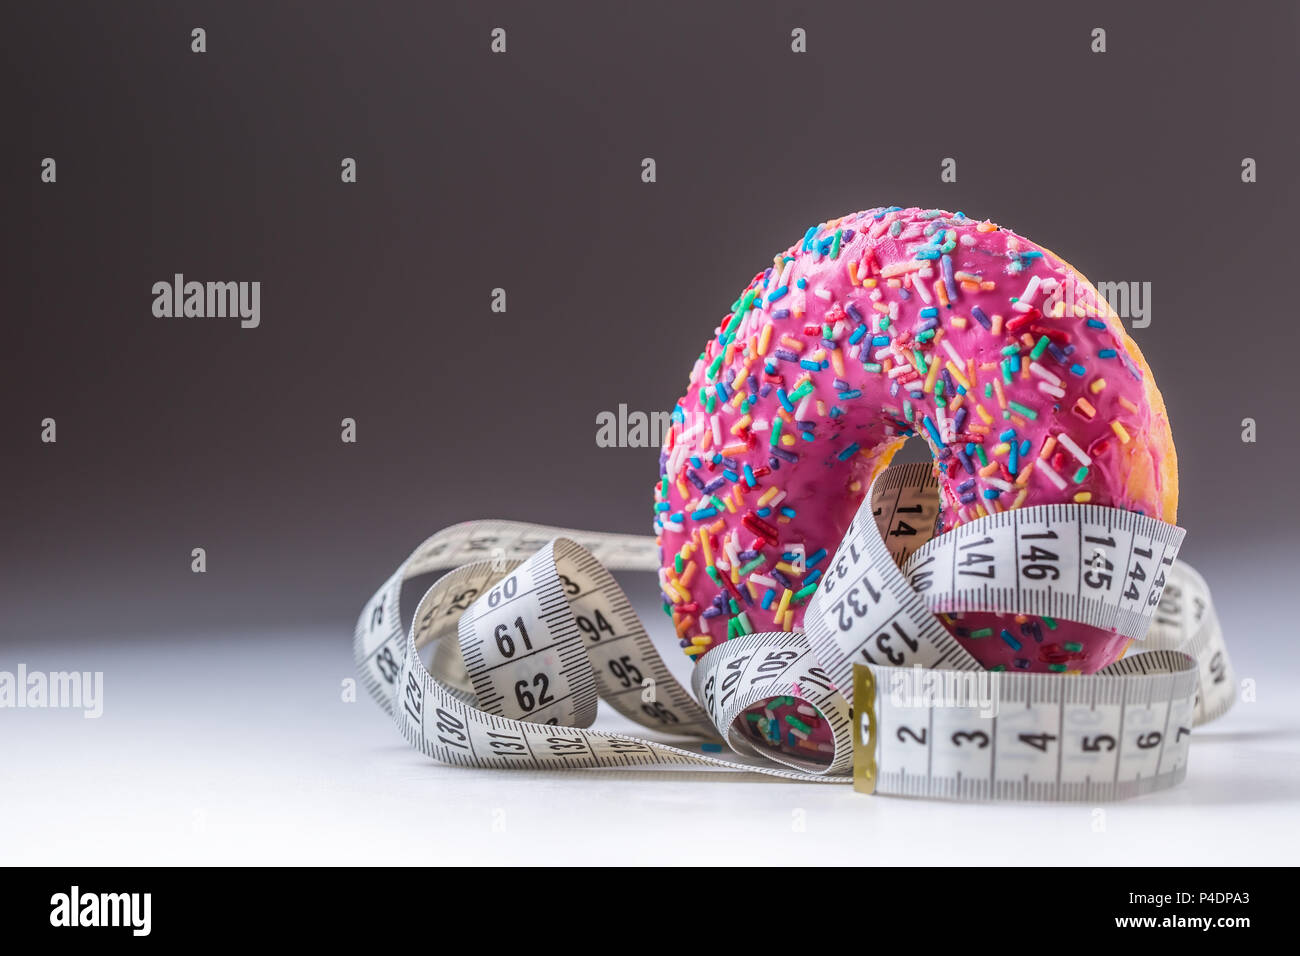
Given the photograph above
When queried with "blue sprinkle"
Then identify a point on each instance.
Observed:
(848, 453)
(1011, 641)
(880, 340)
(1096, 324)
(1106, 353)
(811, 366)
(991, 493)
(857, 335)
(929, 313)
(703, 513)
(1077, 369)
(778, 294)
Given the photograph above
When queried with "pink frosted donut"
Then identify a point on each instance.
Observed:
(872, 328)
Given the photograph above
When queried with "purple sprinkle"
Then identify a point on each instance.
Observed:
(782, 579)
(966, 485)
(980, 317)
(965, 499)
(694, 478)
(781, 314)
(786, 354)
(765, 390)
(714, 485)
(785, 455)
(852, 310)
(949, 386)
(711, 612)
(748, 555)
(960, 418)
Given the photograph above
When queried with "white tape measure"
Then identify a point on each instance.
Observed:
(542, 630)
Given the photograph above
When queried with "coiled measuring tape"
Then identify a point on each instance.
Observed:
(531, 629)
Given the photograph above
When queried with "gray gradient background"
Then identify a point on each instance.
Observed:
(522, 171)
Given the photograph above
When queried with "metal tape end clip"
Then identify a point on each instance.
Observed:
(864, 709)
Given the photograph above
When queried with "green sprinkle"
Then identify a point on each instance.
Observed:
(1073, 646)
(1050, 622)
(713, 573)
(776, 432)
(798, 724)
(872, 366)
(979, 450)
(804, 592)
(1056, 667)
(1011, 350)
(926, 336)
(835, 245)
(998, 667)
(1081, 474)
(920, 361)
(713, 369)
(804, 389)
(1040, 348)
(988, 389)
(1022, 409)
(756, 563)
(1006, 371)
(677, 562)
(982, 632)
(753, 718)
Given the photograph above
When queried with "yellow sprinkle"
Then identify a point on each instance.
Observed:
(958, 322)
(868, 283)
(979, 410)
(681, 487)
(1001, 449)
(930, 377)
(765, 339)
(1020, 498)
(741, 424)
(1097, 385)
(768, 495)
(704, 546)
(730, 505)
(1127, 404)
(703, 640)
(955, 372)
(786, 567)
(785, 603)
(997, 325)
(693, 650)
(1120, 431)
(788, 623)
(1083, 496)
(787, 440)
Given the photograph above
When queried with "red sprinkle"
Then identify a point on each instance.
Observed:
(760, 527)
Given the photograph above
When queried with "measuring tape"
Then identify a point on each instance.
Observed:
(531, 629)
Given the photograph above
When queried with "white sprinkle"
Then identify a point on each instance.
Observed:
(1044, 374)
(823, 294)
(956, 358)
(1074, 449)
(1051, 390)
(1046, 469)
(764, 580)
